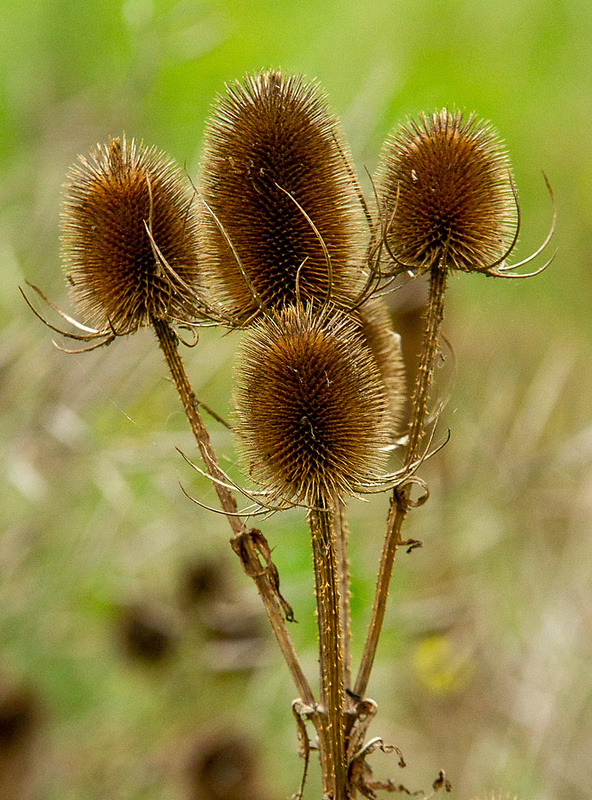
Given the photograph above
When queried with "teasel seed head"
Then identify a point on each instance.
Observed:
(445, 194)
(275, 169)
(385, 345)
(117, 276)
(312, 410)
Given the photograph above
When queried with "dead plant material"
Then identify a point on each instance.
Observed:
(282, 217)
(445, 188)
(121, 203)
(312, 409)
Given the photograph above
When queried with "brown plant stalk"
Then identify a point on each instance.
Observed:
(343, 580)
(332, 720)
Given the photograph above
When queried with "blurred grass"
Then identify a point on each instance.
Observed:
(484, 667)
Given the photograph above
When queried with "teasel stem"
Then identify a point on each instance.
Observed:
(332, 720)
(400, 503)
(168, 342)
(343, 580)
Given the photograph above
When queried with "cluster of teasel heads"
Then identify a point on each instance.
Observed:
(277, 237)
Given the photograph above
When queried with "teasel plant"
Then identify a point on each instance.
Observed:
(130, 250)
(275, 237)
(445, 202)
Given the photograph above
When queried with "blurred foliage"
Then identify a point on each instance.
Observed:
(485, 661)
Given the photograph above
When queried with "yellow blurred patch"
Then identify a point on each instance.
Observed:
(441, 665)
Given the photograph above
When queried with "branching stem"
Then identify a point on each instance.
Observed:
(268, 591)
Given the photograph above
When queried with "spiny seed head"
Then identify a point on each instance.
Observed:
(445, 192)
(270, 136)
(312, 409)
(117, 278)
(385, 345)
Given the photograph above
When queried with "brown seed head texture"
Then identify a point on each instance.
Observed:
(117, 280)
(271, 135)
(444, 185)
(312, 410)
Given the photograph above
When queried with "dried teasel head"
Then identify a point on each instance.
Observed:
(445, 194)
(312, 409)
(385, 345)
(129, 238)
(281, 217)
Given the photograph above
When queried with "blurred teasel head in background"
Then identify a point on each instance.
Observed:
(385, 346)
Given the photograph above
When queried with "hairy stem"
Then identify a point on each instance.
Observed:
(343, 582)
(262, 576)
(401, 496)
(332, 720)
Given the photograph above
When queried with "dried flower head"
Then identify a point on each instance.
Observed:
(445, 192)
(129, 237)
(281, 197)
(385, 345)
(311, 406)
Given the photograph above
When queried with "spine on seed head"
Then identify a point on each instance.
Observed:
(129, 237)
(278, 181)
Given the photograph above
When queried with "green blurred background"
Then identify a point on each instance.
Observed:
(123, 672)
